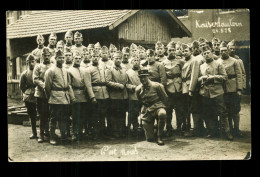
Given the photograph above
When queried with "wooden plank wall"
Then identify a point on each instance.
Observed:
(145, 26)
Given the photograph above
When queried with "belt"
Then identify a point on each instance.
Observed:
(151, 103)
(231, 76)
(78, 88)
(99, 84)
(60, 89)
(174, 76)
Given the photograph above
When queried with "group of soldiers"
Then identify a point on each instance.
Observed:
(101, 93)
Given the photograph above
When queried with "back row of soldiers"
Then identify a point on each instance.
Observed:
(97, 85)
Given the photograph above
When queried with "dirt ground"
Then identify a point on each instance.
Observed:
(22, 149)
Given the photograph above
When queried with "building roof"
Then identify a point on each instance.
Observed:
(59, 21)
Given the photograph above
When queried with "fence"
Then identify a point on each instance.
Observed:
(13, 90)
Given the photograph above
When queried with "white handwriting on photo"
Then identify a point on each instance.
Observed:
(109, 150)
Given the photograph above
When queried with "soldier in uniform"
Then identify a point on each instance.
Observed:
(28, 88)
(68, 59)
(95, 83)
(190, 73)
(80, 107)
(78, 47)
(125, 59)
(68, 38)
(42, 102)
(212, 75)
(154, 99)
(90, 48)
(216, 43)
(59, 95)
(134, 106)
(179, 51)
(133, 49)
(112, 50)
(52, 43)
(141, 53)
(116, 82)
(105, 62)
(37, 53)
(86, 62)
(159, 50)
(233, 87)
(173, 68)
(97, 46)
(59, 46)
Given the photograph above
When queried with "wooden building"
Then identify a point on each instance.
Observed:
(119, 27)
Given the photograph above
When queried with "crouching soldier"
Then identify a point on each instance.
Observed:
(59, 95)
(154, 100)
(28, 88)
(212, 74)
(95, 83)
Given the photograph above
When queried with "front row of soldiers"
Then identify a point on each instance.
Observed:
(99, 93)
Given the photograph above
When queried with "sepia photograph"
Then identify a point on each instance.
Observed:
(128, 85)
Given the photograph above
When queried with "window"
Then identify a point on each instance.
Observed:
(180, 12)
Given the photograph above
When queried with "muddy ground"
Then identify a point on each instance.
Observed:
(22, 149)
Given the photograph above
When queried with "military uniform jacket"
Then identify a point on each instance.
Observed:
(106, 64)
(37, 53)
(161, 59)
(212, 88)
(233, 70)
(200, 59)
(27, 86)
(133, 82)
(242, 70)
(67, 47)
(76, 81)
(152, 98)
(38, 79)
(94, 76)
(115, 77)
(53, 60)
(157, 73)
(126, 66)
(173, 70)
(190, 74)
(75, 49)
(67, 66)
(52, 50)
(57, 88)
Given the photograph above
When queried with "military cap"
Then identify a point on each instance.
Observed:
(45, 51)
(97, 45)
(231, 43)
(215, 40)
(185, 46)
(60, 42)
(223, 45)
(95, 52)
(104, 49)
(117, 53)
(133, 46)
(53, 35)
(112, 47)
(195, 44)
(178, 45)
(67, 50)
(30, 58)
(141, 48)
(143, 72)
(91, 46)
(76, 53)
(85, 49)
(202, 40)
(69, 33)
(77, 34)
(125, 50)
(58, 53)
(171, 44)
(205, 48)
(150, 52)
(159, 44)
(39, 36)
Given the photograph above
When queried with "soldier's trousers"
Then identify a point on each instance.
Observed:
(108, 117)
(60, 113)
(99, 112)
(79, 114)
(118, 116)
(148, 123)
(175, 101)
(31, 110)
(44, 114)
(211, 108)
(192, 105)
(232, 102)
(133, 113)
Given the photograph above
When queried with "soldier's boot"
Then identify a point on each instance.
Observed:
(34, 132)
(41, 138)
(230, 122)
(169, 128)
(225, 126)
(196, 122)
(237, 132)
(149, 131)
(161, 124)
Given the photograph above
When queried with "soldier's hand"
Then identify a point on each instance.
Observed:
(133, 88)
(73, 101)
(190, 93)
(121, 86)
(239, 93)
(94, 101)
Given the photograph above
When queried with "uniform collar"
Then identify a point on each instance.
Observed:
(118, 67)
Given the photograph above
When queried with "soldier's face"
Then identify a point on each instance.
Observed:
(144, 80)
(104, 55)
(150, 58)
(52, 40)
(117, 60)
(60, 60)
(195, 51)
(77, 59)
(207, 55)
(159, 51)
(68, 57)
(224, 53)
(231, 50)
(171, 53)
(186, 52)
(40, 41)
(179, 51)
(216, 46)
(133, 52)
(202, 45)
(46, 57)
(142, 54)
(136, 62)
(31, 64)
(95, 59)
(125, 56)
(68, 39)
(78, 40)
(60, 47)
